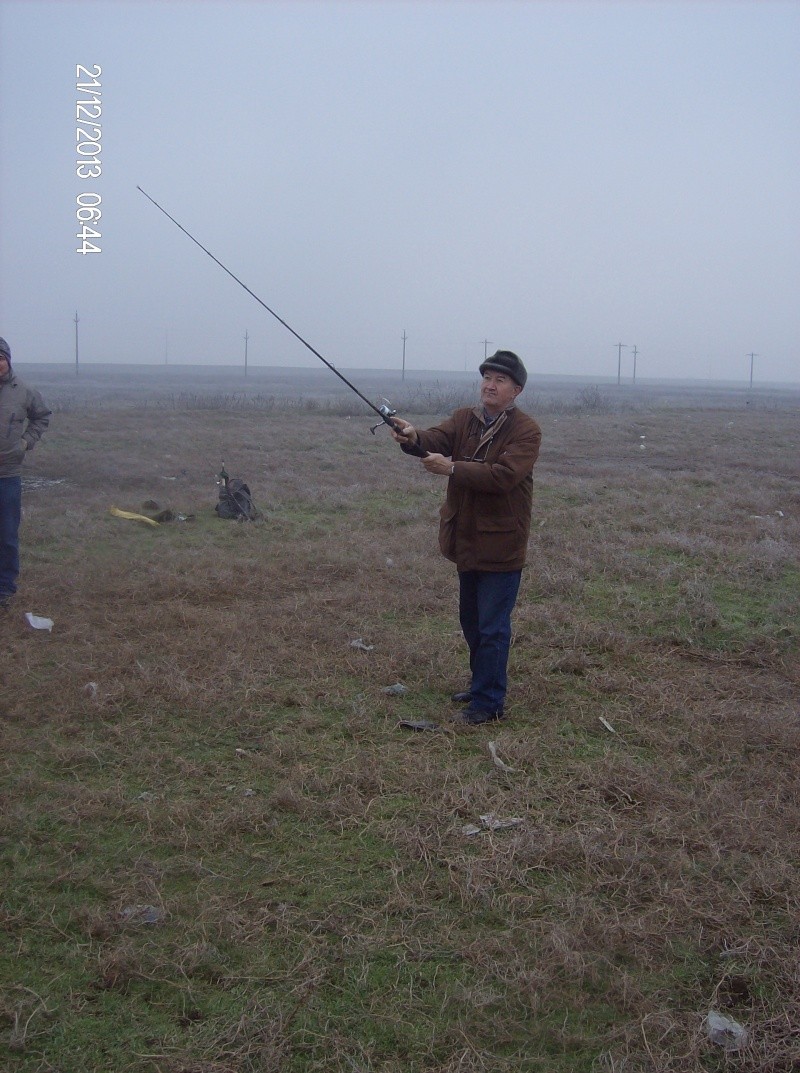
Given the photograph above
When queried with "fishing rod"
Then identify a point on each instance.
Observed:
(385, 412)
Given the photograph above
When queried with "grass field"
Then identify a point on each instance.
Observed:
(221, 854)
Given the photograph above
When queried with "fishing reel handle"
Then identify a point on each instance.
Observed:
(387, 413)
(409, 448)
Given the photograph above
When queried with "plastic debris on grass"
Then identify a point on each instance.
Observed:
(498, 763)
(142, 914)
(490, 822)
(397, 690)
(38, 622)
(361, 645)
(726, 1032)
(168, 515)
(418, 724)
(130, 516)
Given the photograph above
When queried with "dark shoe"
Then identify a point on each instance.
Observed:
(462, 698)
(472, 717)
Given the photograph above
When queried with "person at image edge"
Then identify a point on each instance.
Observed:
(23, 419)
(487, 454)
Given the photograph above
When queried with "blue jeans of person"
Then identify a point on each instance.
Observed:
(486, 600)
(10, 514)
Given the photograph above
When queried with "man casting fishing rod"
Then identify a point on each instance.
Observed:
(487, 454)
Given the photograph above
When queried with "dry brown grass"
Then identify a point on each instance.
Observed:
(198, 735)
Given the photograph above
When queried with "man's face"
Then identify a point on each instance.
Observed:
(498, 391)
(4, 366)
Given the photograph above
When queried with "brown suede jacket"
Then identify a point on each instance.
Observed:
(486, 518)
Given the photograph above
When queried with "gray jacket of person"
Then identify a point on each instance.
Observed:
(23, 419)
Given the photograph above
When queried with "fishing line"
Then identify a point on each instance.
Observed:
(384, 412)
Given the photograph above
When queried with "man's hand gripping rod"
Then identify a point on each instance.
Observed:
(384, 412)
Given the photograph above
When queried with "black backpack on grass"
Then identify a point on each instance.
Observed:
(235, 500)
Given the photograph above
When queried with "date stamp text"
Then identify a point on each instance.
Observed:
(88, 110)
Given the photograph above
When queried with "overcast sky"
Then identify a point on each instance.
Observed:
(554, 178)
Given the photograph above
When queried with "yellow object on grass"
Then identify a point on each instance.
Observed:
(132, 517)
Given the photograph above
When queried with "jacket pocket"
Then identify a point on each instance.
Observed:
(447, 532)
(499, 539)
(13, 452)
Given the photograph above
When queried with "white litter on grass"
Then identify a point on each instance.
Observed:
(494, 823)
(360, 644)
(38, 622)
(490, 822)
(725, 1032)
(29, 484)
(397, 690)
(142, 914)
(607, 725)
(497, 761)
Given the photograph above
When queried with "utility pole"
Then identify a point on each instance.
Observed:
(246, 337)
(635, 352)
(76, 342)
(404, 354)
(620, 347)
(486, 345)
(751, 356)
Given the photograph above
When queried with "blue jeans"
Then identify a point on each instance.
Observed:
(10, 514)
(486, 600)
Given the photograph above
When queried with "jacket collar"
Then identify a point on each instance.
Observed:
(480, 413)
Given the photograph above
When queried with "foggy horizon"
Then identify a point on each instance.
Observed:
(549, 178)
(393, 373)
